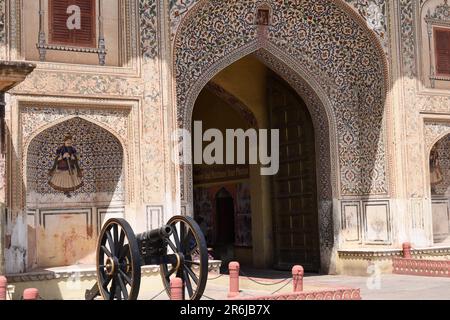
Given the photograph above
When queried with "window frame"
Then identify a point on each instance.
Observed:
(92, 44)
(436, 53)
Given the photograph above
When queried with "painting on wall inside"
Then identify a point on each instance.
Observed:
(207, 208)
(435, 169)
(66, 174)
(243, 216)
(440, 167)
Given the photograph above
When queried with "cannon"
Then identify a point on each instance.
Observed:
(179, 248)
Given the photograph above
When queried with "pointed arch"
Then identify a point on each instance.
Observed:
(114, 174)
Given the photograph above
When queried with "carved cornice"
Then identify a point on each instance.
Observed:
(361, 254)
(13, 72)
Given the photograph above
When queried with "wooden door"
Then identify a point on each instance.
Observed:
(294, 192)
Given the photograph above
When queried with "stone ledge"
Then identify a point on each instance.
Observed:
(421, 267)
(13, 72)
(391, 253)
(332, 294)
(85, 271)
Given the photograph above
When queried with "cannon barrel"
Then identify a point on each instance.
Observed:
(156, 234)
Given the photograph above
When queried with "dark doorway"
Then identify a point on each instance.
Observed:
(225, 226)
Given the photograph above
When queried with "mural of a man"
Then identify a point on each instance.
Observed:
(66, 175)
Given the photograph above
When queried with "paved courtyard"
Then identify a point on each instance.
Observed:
(253, 283)
(391, 286)
(384, 287)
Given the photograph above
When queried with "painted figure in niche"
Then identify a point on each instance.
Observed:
(436, 176)
(66, 175)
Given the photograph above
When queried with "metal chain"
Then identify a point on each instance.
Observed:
(215, 278)
(290, 280)
(208, 297)
(264, 283)
(158, 295)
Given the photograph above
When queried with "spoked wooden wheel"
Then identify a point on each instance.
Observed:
(118, 261)
(188, 242)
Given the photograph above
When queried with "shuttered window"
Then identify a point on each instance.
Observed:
(442, 48)
(58, 17)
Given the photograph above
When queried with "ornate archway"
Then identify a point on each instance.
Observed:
(439, 178)
(338, 56)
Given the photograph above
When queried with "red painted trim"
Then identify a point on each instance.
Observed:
(419, 267)
(336, 294)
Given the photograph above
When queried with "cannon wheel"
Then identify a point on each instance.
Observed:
(118, 261)
(188, 241)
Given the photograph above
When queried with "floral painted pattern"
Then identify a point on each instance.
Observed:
(337, 51)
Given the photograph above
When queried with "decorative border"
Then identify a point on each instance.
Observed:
(375, 14)
(417, 267)
(332, 294)
(391, 253)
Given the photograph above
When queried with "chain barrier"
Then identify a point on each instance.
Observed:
(158, 294)
(287, 280)
(264, 283)
(276, 291)
(215, 278)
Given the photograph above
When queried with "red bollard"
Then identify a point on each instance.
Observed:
(407, 250)
(233, 268)
(31, 294)
(297, 277)
(176, 289)
(3, 288)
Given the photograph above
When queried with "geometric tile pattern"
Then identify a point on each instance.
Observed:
(336, 49)
(373, 11)
(101, 160)
(35, 118)
(147, 14)
(177, 9)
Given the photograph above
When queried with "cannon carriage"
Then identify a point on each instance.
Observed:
(179, 248)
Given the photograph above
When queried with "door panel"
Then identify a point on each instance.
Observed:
(294, 194)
